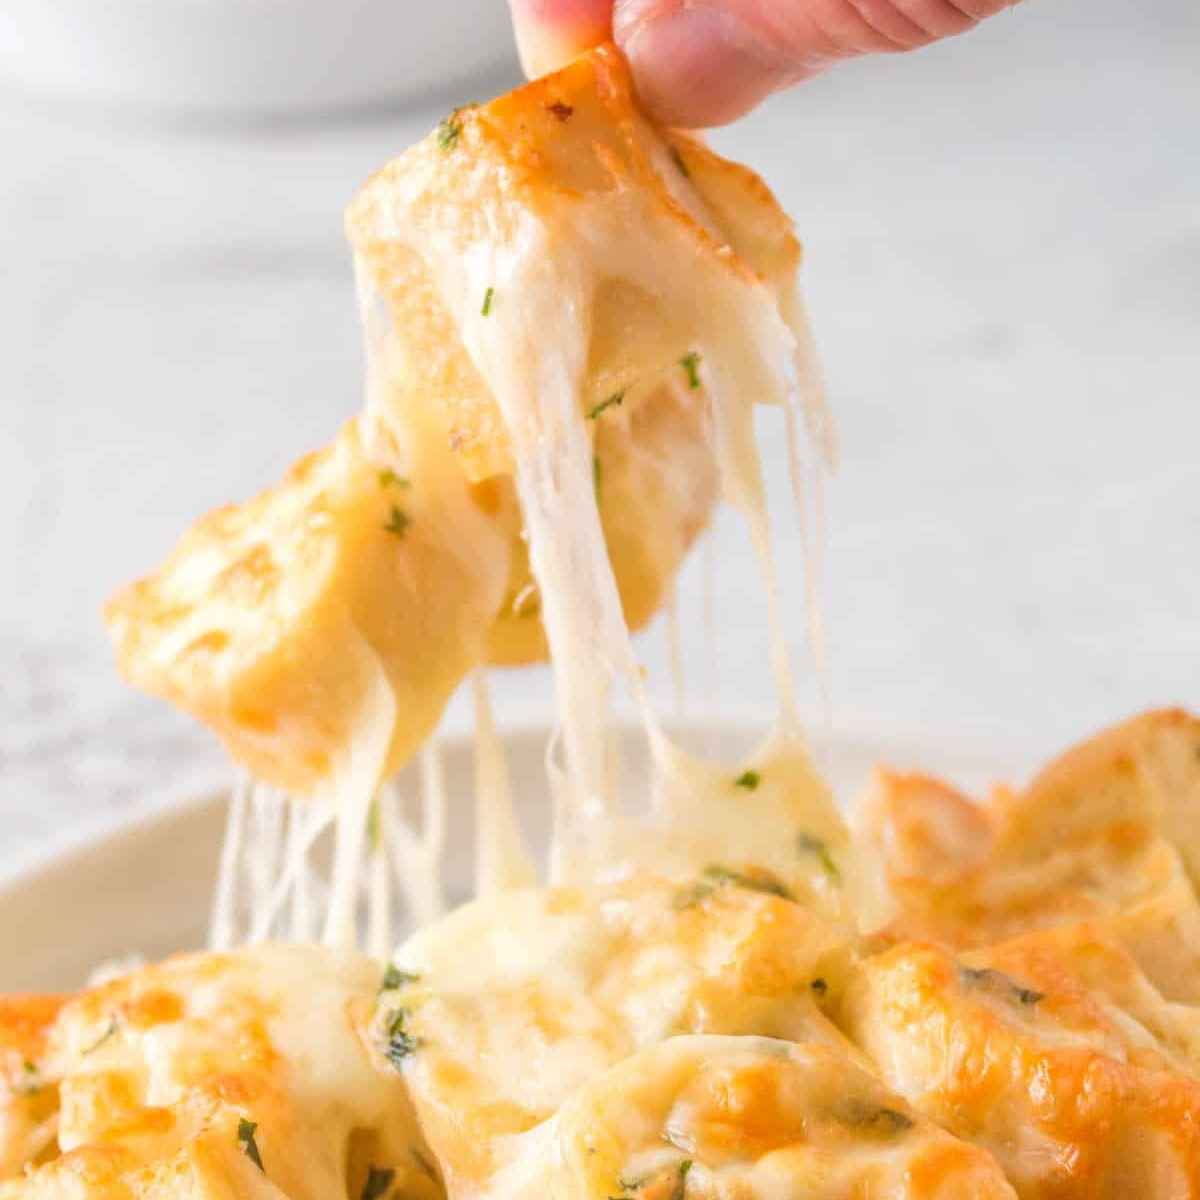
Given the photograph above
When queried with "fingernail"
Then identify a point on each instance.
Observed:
(698, 66)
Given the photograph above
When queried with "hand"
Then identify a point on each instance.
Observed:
(705, 62)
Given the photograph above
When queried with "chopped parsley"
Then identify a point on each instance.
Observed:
(876, 1119)
(677, 159)
(488, 297)
(29, 1084)
(690, 362)
(374, 828)
(245, 1135)
(818, 986)
(400, 1043)
(108, 1033)
(681, 1180)
(716, 876)
(614, 399)
(987, 977)
(389, 478)
(562, 111)
(808, 844)
(449, 130)
(379, 1181)
(760, 881)
(748, 780)
(398, 522)
(395, 977)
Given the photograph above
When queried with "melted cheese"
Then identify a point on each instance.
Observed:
(1106, 834)
(570, 316)
(579, 269)
(522, 998)
(1079, 1090)
(741, 1116)
(151, 1074)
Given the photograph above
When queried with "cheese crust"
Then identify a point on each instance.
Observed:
(180, 1079)
(281, 621)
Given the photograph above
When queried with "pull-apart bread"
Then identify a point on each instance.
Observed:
(380, 570)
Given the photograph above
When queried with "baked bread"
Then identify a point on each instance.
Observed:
(1107, 833)
(349, 600)
(216, 1076)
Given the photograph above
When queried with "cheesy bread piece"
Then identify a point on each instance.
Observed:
(28, 1102)
(1053, 1052)
(1108, 832)
(655, 483)
(550, 260)
(772, 817)
(510, 1004)
(661, 241)
(347, 601)
(222, 1076)
(710, 1117)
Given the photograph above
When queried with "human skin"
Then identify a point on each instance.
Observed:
(700, 63)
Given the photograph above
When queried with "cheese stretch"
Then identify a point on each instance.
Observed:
(718, 989)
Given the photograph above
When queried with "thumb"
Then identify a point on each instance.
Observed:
(705, 62)
(552, 32)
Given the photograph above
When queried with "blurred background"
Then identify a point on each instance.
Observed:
(1002, 264)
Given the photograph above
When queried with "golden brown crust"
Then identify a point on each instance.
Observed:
(282, 621)
(277, 621)
(1102, 834)
(1010, 1050)
(149, 1078)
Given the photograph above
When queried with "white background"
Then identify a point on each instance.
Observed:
(1003, 267)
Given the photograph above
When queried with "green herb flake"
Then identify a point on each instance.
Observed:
(819, 987)
(808, 844)
(395, 977)
(690, 362)
(449, 130)
(677, 159)
(677, 1192)
(374, 828)
(104, 1037)
(488, 297)
(597, 476)
(389, 478)
(748, 780)
(245, 1136)
(398, 522)
(615, 399)
(689, 897)
(760, 881)
(875, 1119)
(379, 1182)
(987, 977)
(400, 1043)
(29, 1084)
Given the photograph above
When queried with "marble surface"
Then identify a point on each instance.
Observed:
(1003, 268)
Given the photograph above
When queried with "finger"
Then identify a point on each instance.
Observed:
(552, 32)
(705, 62)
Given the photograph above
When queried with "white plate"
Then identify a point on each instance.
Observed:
(252, 57)
(144, 885)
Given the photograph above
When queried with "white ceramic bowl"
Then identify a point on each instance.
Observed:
(144, 885)
(251, 57)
